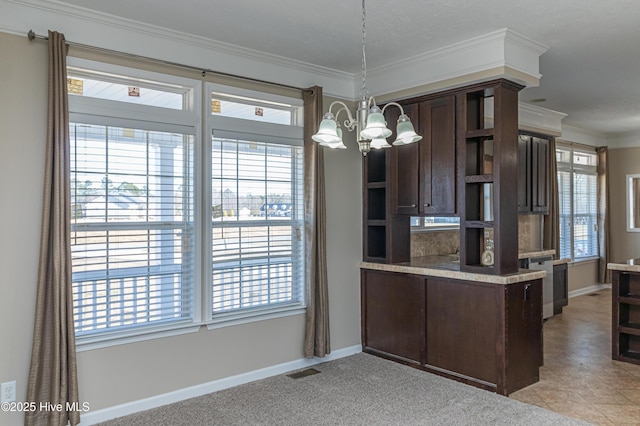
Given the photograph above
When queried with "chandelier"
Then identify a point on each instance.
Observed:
(375, 133)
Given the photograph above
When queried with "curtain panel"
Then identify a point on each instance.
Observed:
(604, 275)
(317, 339)
(53, 373)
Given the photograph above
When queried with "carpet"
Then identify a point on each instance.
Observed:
(357, 390)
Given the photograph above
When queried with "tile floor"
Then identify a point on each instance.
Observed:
(579, 379)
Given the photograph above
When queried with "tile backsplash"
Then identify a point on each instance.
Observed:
(445, 242)
(434, 242)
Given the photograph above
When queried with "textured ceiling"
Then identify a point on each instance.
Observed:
(591, 71)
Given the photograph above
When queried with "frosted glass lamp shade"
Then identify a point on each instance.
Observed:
(336, 145)
(328, 132)
(405, 131)
(380, 143)
(376, 126)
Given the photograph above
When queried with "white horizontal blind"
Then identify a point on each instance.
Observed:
(565, 206)
(585, 215)
(257, 225)
(578, 199)
(132, 227)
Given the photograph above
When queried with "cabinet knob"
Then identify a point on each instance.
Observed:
(427, 204)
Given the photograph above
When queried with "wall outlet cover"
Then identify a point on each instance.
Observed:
(8, 391)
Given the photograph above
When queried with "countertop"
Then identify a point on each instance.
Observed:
(527, 254)
(445, 266)
(631, 265)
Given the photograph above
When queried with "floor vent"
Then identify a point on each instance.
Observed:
(594, 294)
(303, 373)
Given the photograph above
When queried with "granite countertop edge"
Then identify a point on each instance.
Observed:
(444, 269)
(631, 265)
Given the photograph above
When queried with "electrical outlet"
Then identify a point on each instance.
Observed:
(9, 391)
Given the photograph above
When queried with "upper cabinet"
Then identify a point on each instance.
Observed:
(533, 174)
(424, 173)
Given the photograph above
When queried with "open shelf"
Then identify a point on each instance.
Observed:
(625, 337)
(487, 191)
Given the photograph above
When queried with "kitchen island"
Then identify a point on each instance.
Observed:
(483, 330)
(625, 309)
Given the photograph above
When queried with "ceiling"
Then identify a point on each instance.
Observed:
(590, 72)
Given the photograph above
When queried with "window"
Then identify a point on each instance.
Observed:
(132, 203)
(578, 203)
(162, 217)
(257, 226)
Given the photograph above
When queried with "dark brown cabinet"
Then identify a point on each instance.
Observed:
(393, 305)
(424, 173)
(484, 334)
(386, 237)
(625, 300)
(487, 188)
(560, 287)
(533, 174)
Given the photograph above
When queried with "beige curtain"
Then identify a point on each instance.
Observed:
(604, 276)
(551, 231)
(316, 342)
(52, 375)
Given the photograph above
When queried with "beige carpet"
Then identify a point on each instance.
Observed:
(356, 390)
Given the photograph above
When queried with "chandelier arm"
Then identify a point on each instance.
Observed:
(350, 123)
(395, 104)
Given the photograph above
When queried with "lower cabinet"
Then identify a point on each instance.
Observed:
(483, 334)
(560, 287)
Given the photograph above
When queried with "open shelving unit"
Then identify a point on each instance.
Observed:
(626, 317)
(487, 183)
(386, 237)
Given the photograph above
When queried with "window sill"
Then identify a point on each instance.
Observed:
(106, 340)
(226, 320)
(584, 260)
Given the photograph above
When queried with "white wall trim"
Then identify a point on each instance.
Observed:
(587, 290)
(499, 49)
(579, 135)
(91, 28)
(503, 53)
(109, 413)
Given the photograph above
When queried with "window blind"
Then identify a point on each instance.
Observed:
(578, 203)
(132, 227)
(257, 225)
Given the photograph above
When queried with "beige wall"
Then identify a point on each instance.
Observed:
(624, 245)
(130, 372)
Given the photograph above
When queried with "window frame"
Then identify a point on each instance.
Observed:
(187, 121)
(195, 120)
(577, 169)
(235, 128)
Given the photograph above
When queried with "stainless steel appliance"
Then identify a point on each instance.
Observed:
(544, 263)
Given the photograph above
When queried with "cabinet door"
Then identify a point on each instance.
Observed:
(524, 174)
(462, 327)
(405, 166)
(540, 177)
(393, 314)
(438, 157)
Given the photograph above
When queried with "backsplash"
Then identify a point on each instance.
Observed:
(434, 242)
(446, 242)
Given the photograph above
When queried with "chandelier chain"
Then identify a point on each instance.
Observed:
(363, 90)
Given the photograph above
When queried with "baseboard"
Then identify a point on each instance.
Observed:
(587, 290)
(110, 413)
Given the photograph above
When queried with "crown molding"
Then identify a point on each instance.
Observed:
(583, 136)
(500, 50)
(500, 54)
(119, 34)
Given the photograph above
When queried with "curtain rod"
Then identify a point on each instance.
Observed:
(33, 36)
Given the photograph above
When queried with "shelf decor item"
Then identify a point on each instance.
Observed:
(375, 130)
